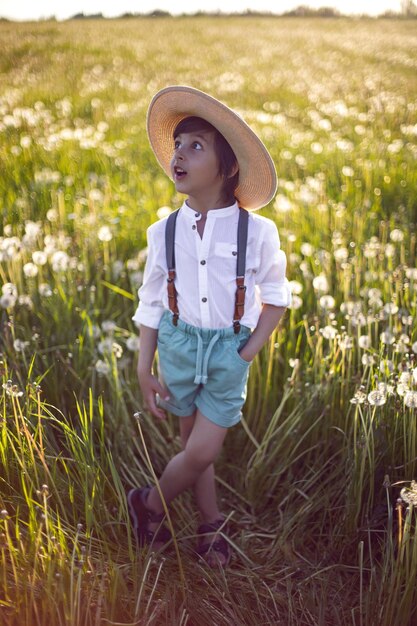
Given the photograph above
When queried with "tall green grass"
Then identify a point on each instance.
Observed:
(316, 481)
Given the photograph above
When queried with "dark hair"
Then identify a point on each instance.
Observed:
(225, 155)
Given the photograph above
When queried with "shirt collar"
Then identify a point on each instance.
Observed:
(211, 213)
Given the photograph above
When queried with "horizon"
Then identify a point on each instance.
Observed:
(23, 10)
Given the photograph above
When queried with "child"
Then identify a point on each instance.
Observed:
(206, 312)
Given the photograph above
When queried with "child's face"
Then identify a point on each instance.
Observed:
(195, 167)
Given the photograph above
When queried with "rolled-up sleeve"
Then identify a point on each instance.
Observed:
(151, 308)
(272, 283)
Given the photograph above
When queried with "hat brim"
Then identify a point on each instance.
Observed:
(257, 175)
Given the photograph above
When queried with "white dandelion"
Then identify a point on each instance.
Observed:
(329, 332)
(105, 234)
(102, 367)
(410, 399)
(358, 398)
(132, 343)
(377, 398)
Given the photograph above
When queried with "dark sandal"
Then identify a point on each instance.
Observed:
(141, 517)
(219, 546)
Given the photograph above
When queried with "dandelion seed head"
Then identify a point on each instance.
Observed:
(405, 378)
(52, 215)
(358, 398)
(411, 273)
(132, 265)
(351, 308)
(133, 343)
(117, 268)
(316, 147)
(7, 301)
(12, 390)
(367, 360)
(387, 337)
(32, 229)
(341, 254)
(364, 342)
(390, 308)
(45, 290)
(60, 261)
(396, 235)
(386, 388)
(327, 302)
(39, 257)
(329, 332)
(19, 345)
(163, 211)
(410, 399)
(30, 270)
(108, 326)
(377, 398)
(389, 250)
(102, 367)
(320, 283)
(346, 342)
(409, 494)
(9, 289)
(295, 286)
(105, 234)
(95, 195)
(386, 366)
(307, 249)
(296, 302)
(402, 389)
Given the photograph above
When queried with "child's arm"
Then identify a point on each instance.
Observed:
(268, 321)
(149, 383)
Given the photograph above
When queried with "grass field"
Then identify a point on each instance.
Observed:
(318, 478)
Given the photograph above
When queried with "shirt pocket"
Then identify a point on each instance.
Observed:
(225, 250)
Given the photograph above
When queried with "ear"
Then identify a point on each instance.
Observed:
(234, 171)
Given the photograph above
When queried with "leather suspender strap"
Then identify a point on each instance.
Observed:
(242, 240)
(170, 257)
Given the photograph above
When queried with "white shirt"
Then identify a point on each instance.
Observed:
(206, 270)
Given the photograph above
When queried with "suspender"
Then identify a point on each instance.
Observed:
(170, 255)
(242, 238)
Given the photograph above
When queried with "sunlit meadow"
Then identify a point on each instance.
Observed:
(318, 480)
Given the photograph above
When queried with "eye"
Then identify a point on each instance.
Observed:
(177, 144)
(197, 145)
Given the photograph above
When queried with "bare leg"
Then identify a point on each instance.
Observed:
(204, 486)
(183, 470)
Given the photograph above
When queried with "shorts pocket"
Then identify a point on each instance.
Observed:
(236, 347)
(165, 331)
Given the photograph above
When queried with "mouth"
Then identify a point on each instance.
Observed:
(179, 173)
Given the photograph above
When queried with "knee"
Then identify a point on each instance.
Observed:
(198, 456)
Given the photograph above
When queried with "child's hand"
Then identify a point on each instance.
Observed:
(151, 386)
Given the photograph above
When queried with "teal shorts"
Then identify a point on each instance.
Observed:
(202, 368)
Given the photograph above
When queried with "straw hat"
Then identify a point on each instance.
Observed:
(257, 176)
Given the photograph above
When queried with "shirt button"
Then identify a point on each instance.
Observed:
(234, 253)
(203, 299)
(196, 214)
(194, 226)
(202, 262)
